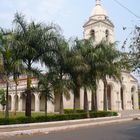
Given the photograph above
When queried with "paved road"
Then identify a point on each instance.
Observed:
(123, 131)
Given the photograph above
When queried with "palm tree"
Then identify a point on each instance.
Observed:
(109, 65)
(58, 71)
(77, 67)
(33, 40)
(17, 71)
(61, 87)
(2, 98)
(16, 78)
(89, 78)
(10, 63)
(44, 87)
(92, 60)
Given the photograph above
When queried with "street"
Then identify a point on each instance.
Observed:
(123, 131)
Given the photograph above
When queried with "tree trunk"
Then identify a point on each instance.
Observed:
(3, 108)
(85, 100)
(86, 106)
(76, 104)
(61, 104)
(94, 91)
(28, 97)
(7, 100)
(105, 95)
(94, 100)
(46, 105)
(15, 100)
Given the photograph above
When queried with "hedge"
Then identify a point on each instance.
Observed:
(92, 114)
(70, 111)
(55, 117)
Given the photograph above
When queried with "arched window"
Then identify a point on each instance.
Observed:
(92, 33)
(132, 89)
(107, 35)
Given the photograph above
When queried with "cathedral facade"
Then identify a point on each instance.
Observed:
(120, 96)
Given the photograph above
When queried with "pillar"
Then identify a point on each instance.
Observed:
(113, 93)
(37, 102)
(12, 102)
(124, 99)
(100, 100)
(20, 103)
(136, 102)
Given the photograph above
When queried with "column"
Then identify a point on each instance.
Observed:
(20, 103)
(124, 99)
(113, 103)
(136, 102)
(118, 106)
(100, 95)
(12, 102)
(37, 102)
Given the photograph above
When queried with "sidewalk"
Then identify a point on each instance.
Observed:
(47, 127)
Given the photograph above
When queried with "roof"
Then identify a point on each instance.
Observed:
(94, 21)
(98, 10)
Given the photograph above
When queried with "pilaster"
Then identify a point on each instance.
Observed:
(37, 102)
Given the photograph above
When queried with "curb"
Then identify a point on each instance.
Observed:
(58, 122)
(54, 129)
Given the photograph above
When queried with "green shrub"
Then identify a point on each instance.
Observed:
(70, 111)
(102, 114)
(4, 121)
(56, 117)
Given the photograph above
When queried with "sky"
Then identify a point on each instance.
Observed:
(71, 15)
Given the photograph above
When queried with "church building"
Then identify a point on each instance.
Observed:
(120, 96)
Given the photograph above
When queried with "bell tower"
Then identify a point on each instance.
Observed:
(98, 25)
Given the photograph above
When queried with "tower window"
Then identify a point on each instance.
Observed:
(107, 35)
(92, 33)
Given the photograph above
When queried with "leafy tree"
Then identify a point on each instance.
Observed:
(77, 67)
(45, 88)
(58, 71)
(17, 71)
(134, 50)
(109, 65)
(89, 78)
(10, 63)
(33, 40)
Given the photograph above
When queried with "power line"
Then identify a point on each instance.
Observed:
(127, 9)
